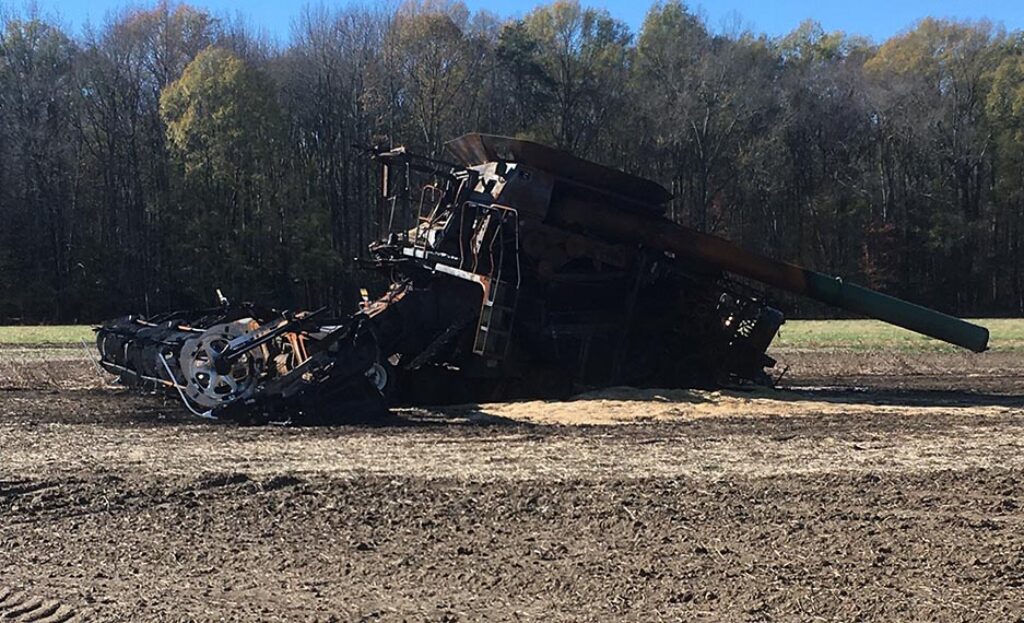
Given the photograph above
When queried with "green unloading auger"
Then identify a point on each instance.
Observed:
(662, 234)
(838, 293)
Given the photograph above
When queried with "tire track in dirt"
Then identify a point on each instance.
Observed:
(19, 606)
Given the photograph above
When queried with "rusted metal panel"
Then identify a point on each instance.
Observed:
(475, 149)
(526, 272)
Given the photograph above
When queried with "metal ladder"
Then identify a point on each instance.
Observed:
(498, 312)
(494, 329)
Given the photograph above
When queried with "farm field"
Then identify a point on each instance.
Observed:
(883, 481)
(1007, 335)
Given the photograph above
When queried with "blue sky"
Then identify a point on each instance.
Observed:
(877, 19)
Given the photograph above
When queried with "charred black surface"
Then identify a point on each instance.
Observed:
(521, 272)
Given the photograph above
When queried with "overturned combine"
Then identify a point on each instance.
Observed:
(526, 272)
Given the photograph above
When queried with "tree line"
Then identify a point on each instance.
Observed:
(146, 162)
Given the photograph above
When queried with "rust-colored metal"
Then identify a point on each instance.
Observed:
(526, 272)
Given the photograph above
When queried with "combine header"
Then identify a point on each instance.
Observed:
(521, 272)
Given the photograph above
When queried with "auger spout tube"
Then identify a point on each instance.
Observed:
(662, 234)
(850, 296)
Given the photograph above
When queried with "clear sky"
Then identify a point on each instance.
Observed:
(877, 19)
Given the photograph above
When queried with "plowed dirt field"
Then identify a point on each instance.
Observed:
(879, 487)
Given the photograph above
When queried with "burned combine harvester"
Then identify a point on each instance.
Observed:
(521, 272)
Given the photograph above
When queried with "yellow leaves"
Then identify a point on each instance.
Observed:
(571, 29)
(220, 112)
(810, 42)
(671, 42)
(933, 46)
(1007, 95)
(456, 12)
(1005, 103)
(435, 60)
(900, 54)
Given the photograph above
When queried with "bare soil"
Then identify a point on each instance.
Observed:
(876, 488)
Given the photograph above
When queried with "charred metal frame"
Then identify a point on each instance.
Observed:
(526, 272)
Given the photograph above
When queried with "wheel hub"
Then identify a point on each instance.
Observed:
(210, 385)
